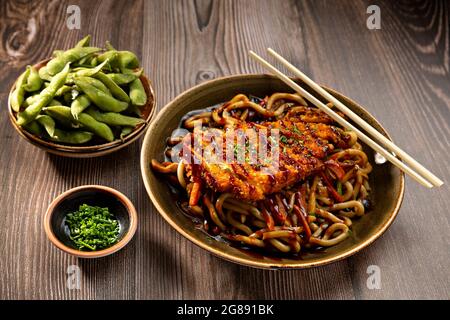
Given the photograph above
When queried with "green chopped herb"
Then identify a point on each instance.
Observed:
(284, 139)
(92, 228)
(339, 187)
(295, 129)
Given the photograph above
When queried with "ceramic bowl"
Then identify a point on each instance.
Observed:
(386, 180)
(117, 203)
(89, 150)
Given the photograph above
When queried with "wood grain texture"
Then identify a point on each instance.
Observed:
(400, 73)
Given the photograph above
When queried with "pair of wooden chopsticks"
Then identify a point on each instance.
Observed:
(415, 170)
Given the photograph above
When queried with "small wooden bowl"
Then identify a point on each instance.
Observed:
(88, 151)
(94, 195)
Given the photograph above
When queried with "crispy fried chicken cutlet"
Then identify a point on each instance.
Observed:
(302, 147)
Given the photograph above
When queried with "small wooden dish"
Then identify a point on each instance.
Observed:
(88, 151)
(94, 195)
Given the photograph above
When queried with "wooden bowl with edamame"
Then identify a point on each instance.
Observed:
(83, 102)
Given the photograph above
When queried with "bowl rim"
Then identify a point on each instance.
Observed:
(92, 150)
(131, 210)
(302, 264)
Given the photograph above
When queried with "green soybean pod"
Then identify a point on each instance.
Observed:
(94, 62)
(109, 46)
(88, 72)
(71, 137)
(45, 96)
(101, 99)
(84, 42)
(54, 102)
(57, 53)
(137, 93)
(44, 75)
(121, 78)
(114, 119)
(116, 91)
(34, 82)
(128, 59)
(34, 128)
(63, 90)
(30, 100)
(61, 119)
(111, 56)
(89, 123)
(48, 123)
(18, 95)
(57, 64)
(79, 105)
(126, 131)
(97, 84)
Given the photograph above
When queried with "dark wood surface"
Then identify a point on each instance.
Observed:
(400, 73)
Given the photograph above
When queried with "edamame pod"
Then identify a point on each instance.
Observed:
(84, 42)
(61, 119)
(116, 91)
(86, 72)
(101, 99)
(108, 46)
(97, 84)
(18, 95)
(47, 122)
(89, 123)
(114, 119)
(34, 128)
(34, 82)
(72, 137)
(137, 93)
(79, 105)
(46, 95)
(57, 53)
(128, 60)
(111, 56)
(31, 99)
(54, 102)
(125, 131)
(44, 75)
(121, 78)
(57, 64)
(63, 90)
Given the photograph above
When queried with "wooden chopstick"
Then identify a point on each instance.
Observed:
(388, 144)
(342, 121)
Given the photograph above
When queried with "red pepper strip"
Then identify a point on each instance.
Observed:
(268, 218)
(336, 168)
(301, 209)
(302, 219)
(331, 189)
(275, 210)
(195, 194)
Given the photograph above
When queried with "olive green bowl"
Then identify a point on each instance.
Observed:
(89, 150)
(387, 181)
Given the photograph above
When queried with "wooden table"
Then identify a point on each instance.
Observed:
(400, 73)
